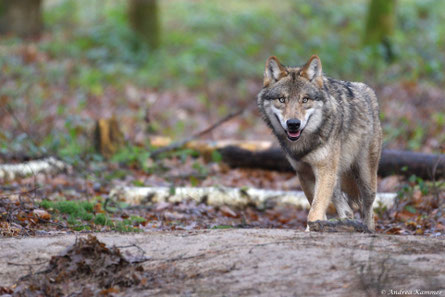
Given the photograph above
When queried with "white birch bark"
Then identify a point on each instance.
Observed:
(46, 166)
(218, 196)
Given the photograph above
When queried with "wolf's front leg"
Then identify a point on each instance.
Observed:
(326, 175)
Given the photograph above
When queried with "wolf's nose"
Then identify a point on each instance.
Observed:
(293, 125)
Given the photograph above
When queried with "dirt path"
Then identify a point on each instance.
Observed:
(257, 262)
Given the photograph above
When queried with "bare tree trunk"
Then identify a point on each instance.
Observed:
(144, 18)
(380, 24)
(21, 17)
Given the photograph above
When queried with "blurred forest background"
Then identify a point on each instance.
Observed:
(172, 68)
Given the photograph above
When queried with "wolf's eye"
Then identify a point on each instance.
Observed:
(305, 99)
(282, 99)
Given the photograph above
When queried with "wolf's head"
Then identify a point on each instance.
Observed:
(292, 98)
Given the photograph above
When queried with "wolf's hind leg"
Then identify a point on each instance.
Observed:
(367, 184)
(341, 204)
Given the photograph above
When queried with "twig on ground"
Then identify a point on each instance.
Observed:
(110, 201)
(27, 264)
(21, 193)
(178, 144)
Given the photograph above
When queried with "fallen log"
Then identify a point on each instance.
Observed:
(426, 166)
(48, 165)
(262, 155)
(219, 196)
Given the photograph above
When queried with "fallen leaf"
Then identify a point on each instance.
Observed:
(228, 212)
(41, 214)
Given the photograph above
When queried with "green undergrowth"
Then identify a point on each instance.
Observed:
(89, 50)
(232, 41)
(89, 215)
(222, 227)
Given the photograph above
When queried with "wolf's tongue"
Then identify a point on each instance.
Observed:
(294, 134)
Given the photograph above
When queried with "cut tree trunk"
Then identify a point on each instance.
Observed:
(21, 17)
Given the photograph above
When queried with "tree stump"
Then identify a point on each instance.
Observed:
(108, 137)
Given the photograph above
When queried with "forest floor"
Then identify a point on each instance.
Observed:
(55, 90)
(232, 262)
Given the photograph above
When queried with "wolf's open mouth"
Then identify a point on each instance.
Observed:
(293, 135)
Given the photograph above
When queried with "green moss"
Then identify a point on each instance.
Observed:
(67, 207)
(46, 204)
(76, 210)
(122, 226)
(137, 219)
(86, 205)
(222, 227)
(100, 219)
(86, 216)
(72, 221)
(79, 214)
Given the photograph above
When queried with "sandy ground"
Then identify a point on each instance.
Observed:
(257, 262)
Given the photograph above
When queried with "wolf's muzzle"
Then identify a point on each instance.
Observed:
(293, 125)
(293, 129)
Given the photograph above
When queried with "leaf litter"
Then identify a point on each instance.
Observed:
(90, 268)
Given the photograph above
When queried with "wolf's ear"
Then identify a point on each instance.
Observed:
(312, 69)
(274, 71)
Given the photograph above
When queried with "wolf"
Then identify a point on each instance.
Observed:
(330, 132)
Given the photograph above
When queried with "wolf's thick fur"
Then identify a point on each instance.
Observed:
(330, 132)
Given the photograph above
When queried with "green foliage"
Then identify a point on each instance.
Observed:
(75, 209)
(410, 209)
(90, 46)
(380, 210)
(80, 215)
(133, 156)
(138, 183)
(210, 43)
(136, 219)
(222, 227)
(116, 174)
(416, 140)
(202, 169)
(417, 184)
(216, 156)
(123, 226)
(102, 219)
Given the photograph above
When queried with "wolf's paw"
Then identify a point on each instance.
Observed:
(338, 226)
